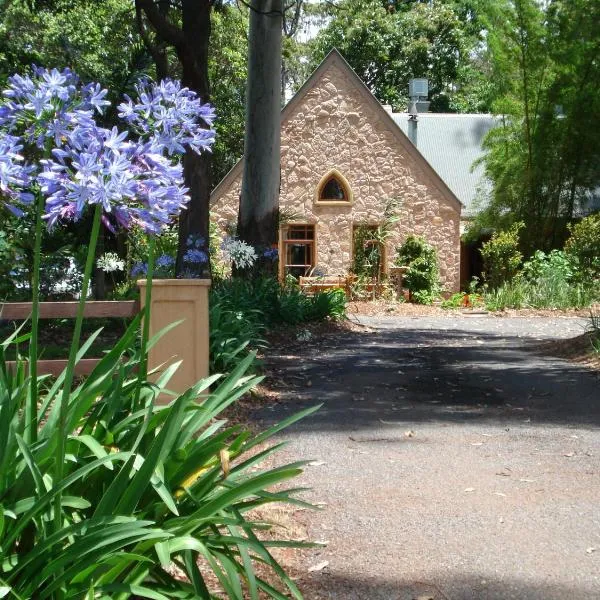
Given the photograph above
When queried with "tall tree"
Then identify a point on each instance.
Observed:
(185, 26)
(544, 159)
(387, 45)
(259, 200)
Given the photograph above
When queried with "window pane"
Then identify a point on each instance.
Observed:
(298, 254)
(333, 190)
(300, 232)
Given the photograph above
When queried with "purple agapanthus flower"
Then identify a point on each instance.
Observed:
(165, 261)
(271, 253)
(195, 256)
(15, 176)
(133, 175)
(171, 117)
(195, 241)
(139, 268)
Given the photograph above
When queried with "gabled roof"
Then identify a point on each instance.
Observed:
(334, 58)
(451, 143)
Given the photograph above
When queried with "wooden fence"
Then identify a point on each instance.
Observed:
(19, 311)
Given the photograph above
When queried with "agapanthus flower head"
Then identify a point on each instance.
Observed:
(240, 254)
(139, 269)
(15, 175)
(48, 104)
(195, 256)
(271, 253)
(164, 261)
(171, 117)
(110, 262)
(195, 240)
(131, 173)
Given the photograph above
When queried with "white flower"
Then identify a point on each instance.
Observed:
(110, 262)
(238, 253)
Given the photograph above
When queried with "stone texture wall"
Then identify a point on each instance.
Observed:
(336, 125)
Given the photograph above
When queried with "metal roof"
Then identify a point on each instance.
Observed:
(451, 143)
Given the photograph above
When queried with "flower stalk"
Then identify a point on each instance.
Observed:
(143, 369)
(70, 370)
(31, 422)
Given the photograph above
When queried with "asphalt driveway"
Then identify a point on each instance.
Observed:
(453, 460)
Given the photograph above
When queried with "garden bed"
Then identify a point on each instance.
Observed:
(578, 349)
(406, 309)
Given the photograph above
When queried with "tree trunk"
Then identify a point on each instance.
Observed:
(191, 43)
(194, 60)
(259, 201)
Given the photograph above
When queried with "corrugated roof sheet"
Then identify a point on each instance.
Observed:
(451, 143)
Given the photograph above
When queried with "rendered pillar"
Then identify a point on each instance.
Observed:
(177, 300)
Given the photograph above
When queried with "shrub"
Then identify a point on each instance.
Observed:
(142, 491)
(242, 310)
(501, 256)
(542, 293)
(556, 265)
(584, 247)
(422, 278)
(546, 281)
(328, 304)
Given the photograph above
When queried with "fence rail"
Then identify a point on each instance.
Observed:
(100, 309)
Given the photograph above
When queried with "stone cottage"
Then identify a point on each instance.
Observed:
(343, 159)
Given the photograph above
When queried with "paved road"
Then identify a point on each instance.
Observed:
(455, 462)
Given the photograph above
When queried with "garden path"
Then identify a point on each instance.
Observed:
(454, 461)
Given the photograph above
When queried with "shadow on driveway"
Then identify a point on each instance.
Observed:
(416, 374)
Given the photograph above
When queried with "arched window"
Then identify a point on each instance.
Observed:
(334, 189)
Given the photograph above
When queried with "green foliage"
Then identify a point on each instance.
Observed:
(242, 311)
(96, 39)
(554, 265)
(552, 293)
(544, 157)
(422, 278)
(387, 47)
(546, 281)
(227, 68)
(367, 255)
(369, 242)
(583, 247)
(141, 492)
(501, 256)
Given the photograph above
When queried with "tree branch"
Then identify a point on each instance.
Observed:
(164, 28)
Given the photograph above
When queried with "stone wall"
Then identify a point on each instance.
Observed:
(335, 123)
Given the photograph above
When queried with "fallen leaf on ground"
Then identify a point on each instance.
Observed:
(318, 567)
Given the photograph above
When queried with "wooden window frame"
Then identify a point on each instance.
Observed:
(334, 173)
(284, 242)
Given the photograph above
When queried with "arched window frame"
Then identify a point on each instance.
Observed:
(342, 181)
